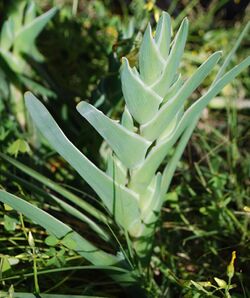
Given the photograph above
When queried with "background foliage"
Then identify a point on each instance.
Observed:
(206, 215)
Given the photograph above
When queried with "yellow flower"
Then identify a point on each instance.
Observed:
(149, 5)
(230, 267)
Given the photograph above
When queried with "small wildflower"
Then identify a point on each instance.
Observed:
(230, 267)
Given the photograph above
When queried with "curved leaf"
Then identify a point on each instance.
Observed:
(128, 146)
(154, 128)
(150, 60)
(162, 84)
(116, 197)
(142, 101)
(163, 34)
(59, 229)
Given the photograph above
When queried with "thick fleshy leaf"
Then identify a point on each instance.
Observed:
(116, 198)
(27, 34)
(143, 244)
(59, 229)
(13, 61)
(142, 102)
(163, 34)
(17, 14)
(171, 126)
(7, 35)
(165, 80)
(30, 13)
(127, 120)
(156, 126)
(150, 60)
(148, 201)
(145, 173)
(173, 90)
(128, 146)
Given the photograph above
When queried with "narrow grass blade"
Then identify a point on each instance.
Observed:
(29, 295)
(231, 53)
(116, 197)
(142, 102)
(162, 84)
(154, 128)
(59, 189)
(47, 196)
(59, 229)
(81, 216)
(116, 170)
(150, 59)
(129, 147)
(170, 168)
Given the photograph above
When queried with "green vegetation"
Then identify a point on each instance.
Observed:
(132, 233)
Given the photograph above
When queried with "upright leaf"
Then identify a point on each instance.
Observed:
(156, 126)
(150, 59)
(128, 146)
(163, 34)
(141, 100)
(27, 34)
(116, 197)
(165, 80)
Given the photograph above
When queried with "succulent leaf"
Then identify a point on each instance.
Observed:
(165, 80)
(150, 60)
(163, 34)
(129, 147)
(154, 128)
(116, 198)
(141, 100)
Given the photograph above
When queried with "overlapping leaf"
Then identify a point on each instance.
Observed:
(116, 197)
(128, 146)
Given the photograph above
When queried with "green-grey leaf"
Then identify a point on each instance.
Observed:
(150, 59)
(27, 34)
(7, 35)
(127, 119)
(144, 174)
(165, 80)
(128, 146)
(58, 229)
(163, 34)
(142, 101)
(156, 126)
(170, 168)
(30, 13)
(117, 198)
(173, 90)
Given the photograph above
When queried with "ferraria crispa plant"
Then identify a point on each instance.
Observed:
(154, 123)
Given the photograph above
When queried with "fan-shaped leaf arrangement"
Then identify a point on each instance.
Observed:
(154, 122)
